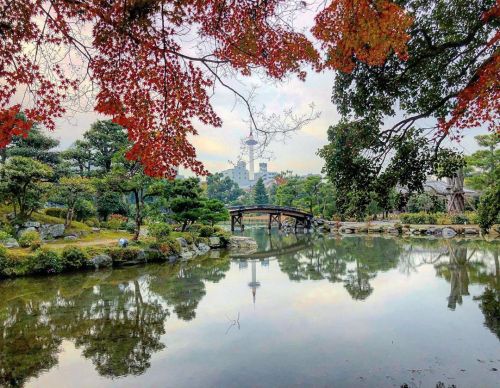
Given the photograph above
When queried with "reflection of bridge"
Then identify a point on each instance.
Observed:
(287, 250)
(302, 218)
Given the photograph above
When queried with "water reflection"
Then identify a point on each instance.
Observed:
(118, 318)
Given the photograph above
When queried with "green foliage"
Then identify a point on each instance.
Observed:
(74, 258)
(168, 247)
(489, 208)
(73, 190)
(30, 238)
(424, 202)
(159, 230)
(188, 237)
(459, 219)
(212, 211)
(36, 146)
(483, 166)
(105, 139)
(418, 218)
(109, 202)
(23, 184)
(206, 231)
(223, 235)
(4, 260)
(46, 261)
(123, 255)
(260, 196)
(116, 221)
(55, 212)
(4, 235)
(223, 188)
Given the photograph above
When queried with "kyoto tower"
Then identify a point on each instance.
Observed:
(250, 142)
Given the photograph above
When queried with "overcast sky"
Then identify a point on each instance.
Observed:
(217, 146)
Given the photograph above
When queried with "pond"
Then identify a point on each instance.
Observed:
(358, 311)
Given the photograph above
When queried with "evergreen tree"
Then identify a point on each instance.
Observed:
(260, 194)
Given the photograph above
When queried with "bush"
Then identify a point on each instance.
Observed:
(130, 227)
(74, 258)
(473, 217)
(418, 218)
(124, 254)
(93, 222)
(4, 260)
(424, 202)
(206, 231)
(488, 210)
(4, 235)
(116, 221)
(30, 238)
(443, 219)
(224, 236)
(459, 219)
(46, 261)
(170, 247)
(159, 230)
(188, 237)
(55, 212)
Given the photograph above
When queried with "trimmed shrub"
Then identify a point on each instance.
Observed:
(123, 254)
(202, 240)
(488, 210)
(159, 230)
(206, 231)
(55, 212)
(30, 239)
(46, 261)
(418, 218)
(93, 222)
(4, 235)
(224, 237)
(473, 217)
(116, 221)
(188, 237)
(459, 219)
(168, 247)
(443, 219)
(4, 260)
(74, 258)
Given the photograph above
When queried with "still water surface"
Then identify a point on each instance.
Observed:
(305, 310)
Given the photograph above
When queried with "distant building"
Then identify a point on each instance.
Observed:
(241, 175)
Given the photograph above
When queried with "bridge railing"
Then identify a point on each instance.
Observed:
(268, 207)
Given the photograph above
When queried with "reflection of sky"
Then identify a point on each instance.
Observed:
(313, 332)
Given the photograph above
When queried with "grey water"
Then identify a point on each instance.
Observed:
(304, 310)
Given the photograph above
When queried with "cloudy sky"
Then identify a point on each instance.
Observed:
(216, 147)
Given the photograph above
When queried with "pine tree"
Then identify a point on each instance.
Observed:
(260, 194)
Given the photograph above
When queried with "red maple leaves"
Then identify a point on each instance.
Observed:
(364, 30)
(133, 54)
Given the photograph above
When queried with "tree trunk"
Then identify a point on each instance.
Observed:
(138, 216)
(69, 217)
(456, 197)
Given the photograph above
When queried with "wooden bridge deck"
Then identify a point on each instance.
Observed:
(301, 217)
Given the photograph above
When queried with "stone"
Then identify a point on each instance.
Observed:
(471, 231)
(123, 243)
(392, 231)
(203, 248)
(241, 243)
(172, 258)
(187, 254)
(347, 230)
(24, 230)
(215, 254)
(101, 261)
(96, 230)
(10, 243)
(182, 242)
(71, 238)
(214, 242)
(448, 233)
(49, 231)
(31, 224)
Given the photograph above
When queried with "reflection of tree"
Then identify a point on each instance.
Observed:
(352, 261)
(28, 342)
(122, 331)
(185, 289)
(116, 317)
(490, 300)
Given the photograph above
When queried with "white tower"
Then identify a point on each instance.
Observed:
(250, 142)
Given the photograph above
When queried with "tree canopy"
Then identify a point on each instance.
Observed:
(427, 58)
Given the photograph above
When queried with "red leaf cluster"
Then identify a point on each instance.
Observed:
(363, 30)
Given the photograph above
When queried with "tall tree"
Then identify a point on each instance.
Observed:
(79, 155)
(260, 196)
(222, 188)
(104, 138)
(71, 191)
(186, 203)
(37, 145)
(23, 184)
(483, 166)
(128, 177)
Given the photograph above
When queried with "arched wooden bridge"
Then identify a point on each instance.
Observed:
(302, 219)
